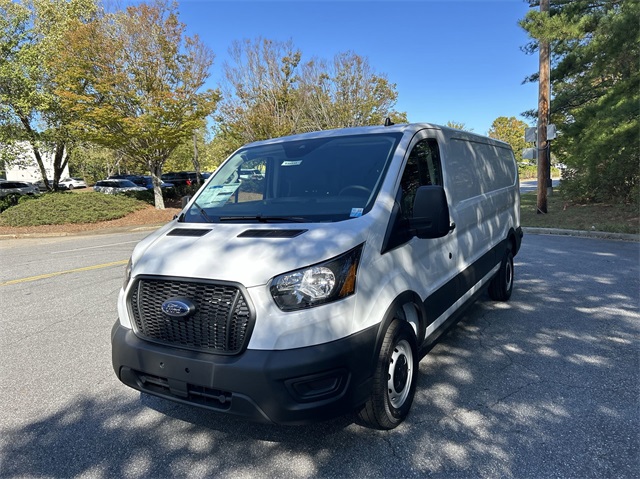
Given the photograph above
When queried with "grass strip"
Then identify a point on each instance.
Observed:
(565, 214)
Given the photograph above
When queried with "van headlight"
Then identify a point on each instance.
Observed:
(318, 284)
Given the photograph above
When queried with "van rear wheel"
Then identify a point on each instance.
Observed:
(501, 285)
(394, 380)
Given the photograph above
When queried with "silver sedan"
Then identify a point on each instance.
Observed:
(17, 188)
(117, 186)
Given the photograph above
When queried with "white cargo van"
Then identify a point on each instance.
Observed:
(312, 288)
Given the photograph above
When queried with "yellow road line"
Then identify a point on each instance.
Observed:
(58, 273)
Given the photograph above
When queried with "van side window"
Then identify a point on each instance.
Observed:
(422, 169)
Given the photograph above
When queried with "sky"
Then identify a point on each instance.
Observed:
(455, 60)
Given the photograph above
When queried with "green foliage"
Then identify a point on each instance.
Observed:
(182, 158)
(146, 196)
(458, 126)
(566, 213)
(527, 172)
(8, 201)
(133, 80)
(596, 82)
(94, 163)
(64, 208)
(30, 109)
(530, 172)
(510, 130)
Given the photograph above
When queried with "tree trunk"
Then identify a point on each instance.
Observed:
(156, 173)
(60, 160)
(196, 159)
(36, 151)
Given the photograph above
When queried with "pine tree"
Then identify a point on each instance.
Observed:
(595, 84)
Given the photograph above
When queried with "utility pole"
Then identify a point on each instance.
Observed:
(544, 88)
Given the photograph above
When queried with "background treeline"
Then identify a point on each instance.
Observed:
(124, 91)
(595, 83)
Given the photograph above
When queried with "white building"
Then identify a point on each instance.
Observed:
(21, 164)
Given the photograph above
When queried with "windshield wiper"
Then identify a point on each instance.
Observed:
(203, 213)
(265, 219)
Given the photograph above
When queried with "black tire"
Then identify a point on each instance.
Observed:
(501, 285)
(70, 187)
(394, 380)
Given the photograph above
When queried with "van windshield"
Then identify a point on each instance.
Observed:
(315, 180)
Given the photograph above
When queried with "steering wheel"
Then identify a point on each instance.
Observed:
(358, 189)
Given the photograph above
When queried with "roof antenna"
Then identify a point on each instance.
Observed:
(388, 122)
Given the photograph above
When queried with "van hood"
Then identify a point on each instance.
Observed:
(250, 254)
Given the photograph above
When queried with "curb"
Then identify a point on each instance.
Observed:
(582, 234)
(106, 231)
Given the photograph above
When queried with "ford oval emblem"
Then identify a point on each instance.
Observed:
(178, 307)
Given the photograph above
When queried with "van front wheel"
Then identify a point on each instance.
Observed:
(394, 381)
(502, 283)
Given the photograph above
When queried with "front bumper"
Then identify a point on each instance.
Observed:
(293, 386)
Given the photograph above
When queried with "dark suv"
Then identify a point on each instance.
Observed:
(179, 178)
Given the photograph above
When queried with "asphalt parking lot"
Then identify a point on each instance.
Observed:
(546, 385)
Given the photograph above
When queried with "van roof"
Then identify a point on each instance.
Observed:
(364, 130)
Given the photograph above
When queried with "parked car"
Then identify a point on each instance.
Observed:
(181, 178)
(123, 177)
(147, 182)
(41, 186)
(117, 186)
(141, 180)
(18, 188)
(71, 183)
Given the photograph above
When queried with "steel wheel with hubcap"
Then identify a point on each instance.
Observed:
(395, 376)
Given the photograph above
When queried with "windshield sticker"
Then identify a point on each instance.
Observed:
(217, 195)
(356, 212)
(291, 163)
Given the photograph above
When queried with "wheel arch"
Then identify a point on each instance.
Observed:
(514, 239)
(407, 306)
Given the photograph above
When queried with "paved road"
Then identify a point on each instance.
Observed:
(544, 386)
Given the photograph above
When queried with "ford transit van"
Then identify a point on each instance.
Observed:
(312, 287)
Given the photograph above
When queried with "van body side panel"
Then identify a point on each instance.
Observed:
(481, 180)
(441, 300)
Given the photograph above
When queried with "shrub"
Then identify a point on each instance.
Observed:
(66, 207)
(530, 172)
(527, 172)
(146, 196)
(12, 200)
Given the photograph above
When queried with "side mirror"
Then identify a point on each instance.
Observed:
(430, 213)
(185, 200)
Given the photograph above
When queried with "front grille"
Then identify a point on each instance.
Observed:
(220, 324)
